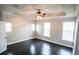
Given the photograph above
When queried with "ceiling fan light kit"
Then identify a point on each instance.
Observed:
(40, 14)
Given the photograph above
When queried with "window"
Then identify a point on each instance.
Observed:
(8, 27)
(68, 31)
(46, 29)
(38, 28)
(33, 27)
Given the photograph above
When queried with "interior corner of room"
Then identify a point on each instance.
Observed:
(53, 23)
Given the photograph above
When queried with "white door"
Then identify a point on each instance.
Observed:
(3, 45)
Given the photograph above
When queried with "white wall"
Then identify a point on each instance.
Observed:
(21, 30)
(56, 30)
(20, 34)
(21, 25)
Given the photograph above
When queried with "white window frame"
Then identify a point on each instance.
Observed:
(65, 30)
(8, 27)
(45, 33)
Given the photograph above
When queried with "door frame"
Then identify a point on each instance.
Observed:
(75, 36)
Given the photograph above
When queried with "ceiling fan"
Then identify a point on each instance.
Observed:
(40, 12)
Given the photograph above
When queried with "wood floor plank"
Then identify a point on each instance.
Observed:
(37, 47)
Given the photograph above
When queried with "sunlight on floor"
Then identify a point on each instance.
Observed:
(64, 52)
(32, 49)
(46, 49)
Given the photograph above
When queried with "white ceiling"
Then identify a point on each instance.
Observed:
(70, 9)
(24, 9)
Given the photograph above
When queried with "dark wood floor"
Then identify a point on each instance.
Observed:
(37, 47)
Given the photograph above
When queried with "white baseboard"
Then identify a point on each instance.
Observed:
(19, 41)
(56, 42)
(41, 39)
